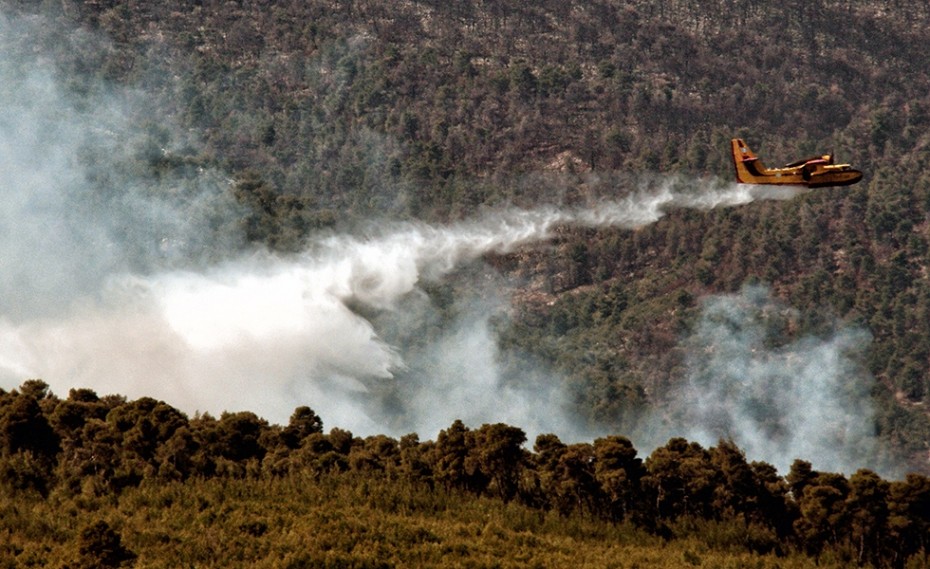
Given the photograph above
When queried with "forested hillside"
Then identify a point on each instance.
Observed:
(321, 119)
(93, 481)
(329, 113)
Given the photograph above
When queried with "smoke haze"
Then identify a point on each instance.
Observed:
(125, 283)
(265, 333)
(77, 205)
(776, 396)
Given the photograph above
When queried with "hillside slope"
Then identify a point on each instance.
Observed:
(328, 114)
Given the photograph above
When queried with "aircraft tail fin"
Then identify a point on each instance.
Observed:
(745, 161)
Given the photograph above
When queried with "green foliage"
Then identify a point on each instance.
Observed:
(236, 490)
(341, 521)
(327, 113)
(304, 422)
(100, 547)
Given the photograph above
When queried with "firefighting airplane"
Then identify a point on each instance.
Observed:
(814, 172)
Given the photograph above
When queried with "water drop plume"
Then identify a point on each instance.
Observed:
(267, 332)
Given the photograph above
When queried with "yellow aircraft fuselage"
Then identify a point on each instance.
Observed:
(814, 172)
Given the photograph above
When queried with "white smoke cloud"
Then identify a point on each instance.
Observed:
(778, 397)
(76, 202)
(267, 333)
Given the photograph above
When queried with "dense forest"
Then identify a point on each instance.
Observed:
(77, 470)
(322, 116)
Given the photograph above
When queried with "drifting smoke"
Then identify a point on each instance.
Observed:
(267, 333)
(778, 397)
(123, 282)
(75, 206)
